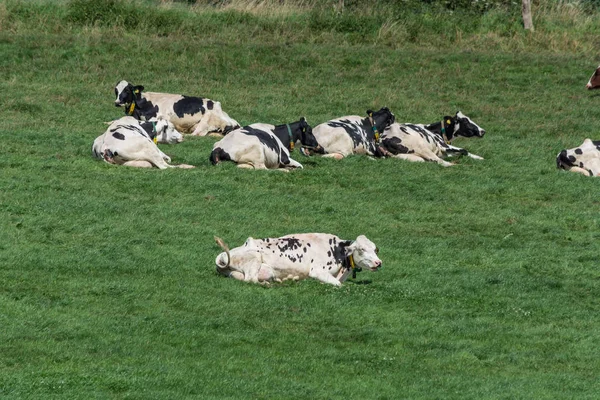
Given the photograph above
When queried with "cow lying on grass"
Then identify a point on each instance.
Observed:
(584, 159)
(353, 134)
(130, 142)
(264, 146)
(321, 256)
(195, 115)
(594, 82)
(414, 142)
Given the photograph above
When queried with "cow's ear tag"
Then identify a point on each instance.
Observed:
(292, 145)
(448, 122)
(155, 140)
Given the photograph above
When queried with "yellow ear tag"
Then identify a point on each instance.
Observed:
(291, 145)
(155, 140)
(448, 122)
(377, 136)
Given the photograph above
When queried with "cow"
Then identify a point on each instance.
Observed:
(130, 142)
(414, 142)
(265, 146)
(353, 134)
(321, 256)
(584, 159)
(451, 127)
(195, 115)
(594, 82)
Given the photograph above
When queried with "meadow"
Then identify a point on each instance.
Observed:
(490, 282)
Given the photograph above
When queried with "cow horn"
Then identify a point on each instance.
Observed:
(222, 244)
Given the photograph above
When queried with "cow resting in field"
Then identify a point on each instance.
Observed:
(414, 142)
(265, 146)
(130, 142)
(584, 159)
(353, 134)
(594, 82)
(195, 115)
(321, 256)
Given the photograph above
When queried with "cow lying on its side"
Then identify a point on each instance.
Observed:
(414, 142)
(130, 142)
(321, 256)
(343, 136)
(195, 115)
(264, 146)
(584, 159)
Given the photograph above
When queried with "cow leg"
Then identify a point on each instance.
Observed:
(337, 156)
(201, 129)
(416, 158)
(164, 156)
(321, 275)
(138, 164)
(184, 166)
(453, 151)
(294, 164)
(580, 170)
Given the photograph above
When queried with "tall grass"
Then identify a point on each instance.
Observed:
(560, 26)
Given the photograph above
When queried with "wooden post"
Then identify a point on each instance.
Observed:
(527, 21)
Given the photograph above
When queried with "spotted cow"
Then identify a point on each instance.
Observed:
(265, 146)
(130, 142)
(584, 159)
(415, 142)
(451, 127)
(353, 134)
(195, 115)
(321, 256)
(594, 82)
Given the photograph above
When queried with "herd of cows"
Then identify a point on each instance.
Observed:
(153, 118)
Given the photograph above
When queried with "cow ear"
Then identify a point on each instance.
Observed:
(370, 113)
(302, 119)
(137, 89)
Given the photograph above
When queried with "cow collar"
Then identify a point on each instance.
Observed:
(374, 128)
(349, 264)
(133, 102)
(291, 148)
(444, 123)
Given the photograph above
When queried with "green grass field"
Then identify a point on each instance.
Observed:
(490, 282)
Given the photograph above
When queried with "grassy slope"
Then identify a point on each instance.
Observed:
(490, 283)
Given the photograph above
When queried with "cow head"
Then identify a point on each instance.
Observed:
(127, 93)
(364, 253)
(380, 120)
(302, 131)
(218, 121)
(166, 132)
(461, 125)
(594, 82)
(584, 159)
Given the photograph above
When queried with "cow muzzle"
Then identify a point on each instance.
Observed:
(376, 265)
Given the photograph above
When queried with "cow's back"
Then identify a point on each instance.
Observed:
(336, 135)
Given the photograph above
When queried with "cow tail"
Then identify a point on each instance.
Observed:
(222, 244)
(218, 155)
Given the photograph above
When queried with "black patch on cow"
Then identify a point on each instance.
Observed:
(305, 249)
(394, 145)
(339, 252)
(286, 244)
(328, 253)
(218, 155)
(578, 151)
(210, 104)
(118, 135)
(188, 105)
(308, 244)
(268, 140)
(150, 128)
(562, 160)
(144, 110)
(354, 131)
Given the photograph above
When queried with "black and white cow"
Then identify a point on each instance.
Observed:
(451, 127)
(130, 142)
(353, 134)
(594, 82)
(584, 159)
(265, 146)
(414, 142)
(321, 256)
(195, 115)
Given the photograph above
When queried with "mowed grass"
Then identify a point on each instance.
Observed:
(108, 287)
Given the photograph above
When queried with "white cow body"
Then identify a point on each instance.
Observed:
(415, 143)
(321, 256)
(126, 142)
(195, 115)
(353, 134)
(584, 159)
(264, 146)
